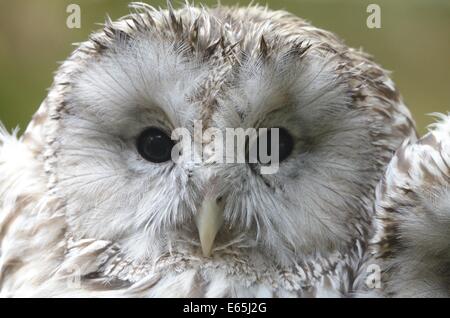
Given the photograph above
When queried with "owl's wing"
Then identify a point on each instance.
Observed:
(413, 216)
(7, 145)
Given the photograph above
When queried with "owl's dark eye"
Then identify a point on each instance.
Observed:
(155, 145)
(285, 143)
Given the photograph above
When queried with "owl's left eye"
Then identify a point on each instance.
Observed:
(285, 143)
(155, 145)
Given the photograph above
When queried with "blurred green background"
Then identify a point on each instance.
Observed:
(414, 43)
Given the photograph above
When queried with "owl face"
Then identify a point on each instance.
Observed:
(140, 79)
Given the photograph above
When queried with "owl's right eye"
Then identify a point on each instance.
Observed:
(155, 145)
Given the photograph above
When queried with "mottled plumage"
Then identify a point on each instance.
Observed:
(83, 215)
(413, 217)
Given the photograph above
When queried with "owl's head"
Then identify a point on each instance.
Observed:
(115, 103)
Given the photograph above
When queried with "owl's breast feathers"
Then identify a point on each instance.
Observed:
(228, 274)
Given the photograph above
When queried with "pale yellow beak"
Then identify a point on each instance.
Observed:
(209, 220)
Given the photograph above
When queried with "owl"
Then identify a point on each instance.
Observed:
(92, 203)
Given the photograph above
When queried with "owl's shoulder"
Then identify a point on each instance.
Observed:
(29, 224)
(412, 206)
